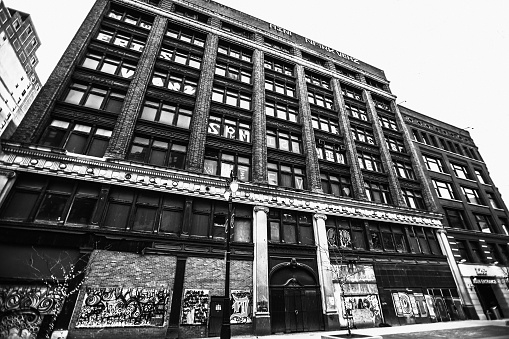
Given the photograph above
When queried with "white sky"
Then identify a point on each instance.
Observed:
(448, 59)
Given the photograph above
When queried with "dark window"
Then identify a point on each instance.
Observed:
(209, 220)
(286, 175)
(163, 153)
(285, 141)
(278, 66)
(381, 103)
(350, 92)
(455, 218)
(51, 199)
(330, 152)
(230, 128)
(290, 227)
(320, 99)
(180, 56)
(130, 17)
(109, 64)
(325, 123)
(345, 233)
(77, 138)
(175, 82)
(186, 35)
(95, 97)
(189, 13)
(122, 39)
(313, 59)
(281, 111)
(377, 192)
(234, 72)
(337, 185)
(223, 163)
(484, 223)
(231, 97)
(318, 80)
(166, 113)
(356, 111)
(404, 170)
(236, 30)
(277, 45)
(234, 51)
(280, 86)
(370, 162)
(471, 195)
(363, 134)
(413, 198)
(346, 72)
(144, 211)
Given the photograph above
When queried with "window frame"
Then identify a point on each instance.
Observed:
(152, 145)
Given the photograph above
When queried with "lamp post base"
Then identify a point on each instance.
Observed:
(225, 331)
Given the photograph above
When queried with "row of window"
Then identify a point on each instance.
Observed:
(448, 145)
(471, 195)
(486, 253)
(460, 171)
(483, 222)
(56, 200)
(353, 234)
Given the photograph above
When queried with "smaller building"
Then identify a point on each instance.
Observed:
(476, 218)
(19, 83)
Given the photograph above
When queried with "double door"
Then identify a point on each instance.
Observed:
(295, 309)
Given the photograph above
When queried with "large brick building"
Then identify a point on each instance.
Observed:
(112, 216)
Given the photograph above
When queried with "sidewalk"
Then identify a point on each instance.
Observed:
(381, 331)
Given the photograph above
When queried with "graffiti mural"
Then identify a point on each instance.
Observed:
(195, 307)
(23, 308)
(365, 309)
(242, 305)
(118, 306)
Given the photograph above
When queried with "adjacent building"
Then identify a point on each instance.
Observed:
(112, 216)
(19, 83)
(475, 216)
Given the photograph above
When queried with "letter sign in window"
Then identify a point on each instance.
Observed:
(214, 128)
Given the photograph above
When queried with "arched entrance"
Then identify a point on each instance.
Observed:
(295, 301)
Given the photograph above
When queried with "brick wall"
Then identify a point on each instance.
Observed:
(208, 274)
(118, 269)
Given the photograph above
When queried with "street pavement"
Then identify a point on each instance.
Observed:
(478, 329)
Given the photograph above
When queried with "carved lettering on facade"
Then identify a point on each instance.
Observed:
(280, 29)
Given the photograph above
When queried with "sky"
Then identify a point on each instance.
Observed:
(448, 59)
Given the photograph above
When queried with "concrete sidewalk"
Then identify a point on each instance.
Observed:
(381, 331)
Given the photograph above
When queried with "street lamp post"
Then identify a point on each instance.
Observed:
(231, 188)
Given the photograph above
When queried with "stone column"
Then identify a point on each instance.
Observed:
(325, 273)
(456, 273)
(417, 163)
(34, 122)
(133, 103)
(308, 135)
(259, 134)
(385, 154)
(351, 152)
(261, 272)
(199, 123)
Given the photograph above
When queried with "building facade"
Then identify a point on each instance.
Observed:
(112, 209)
(19, 83)
(475, 216)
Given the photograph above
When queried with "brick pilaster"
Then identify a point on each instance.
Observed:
(131, 108)
(308, 135)
(385, 154)
(196, 148)
(417, 164)
(34, 122)
(259, 120)
(351, 151)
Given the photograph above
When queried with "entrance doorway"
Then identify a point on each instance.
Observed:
(488, 301)
(295, 301)
(216, 316)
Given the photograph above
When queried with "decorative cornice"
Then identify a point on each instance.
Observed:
(43, 160)
(261, 209)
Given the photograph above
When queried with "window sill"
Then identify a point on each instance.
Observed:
(477, 205)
